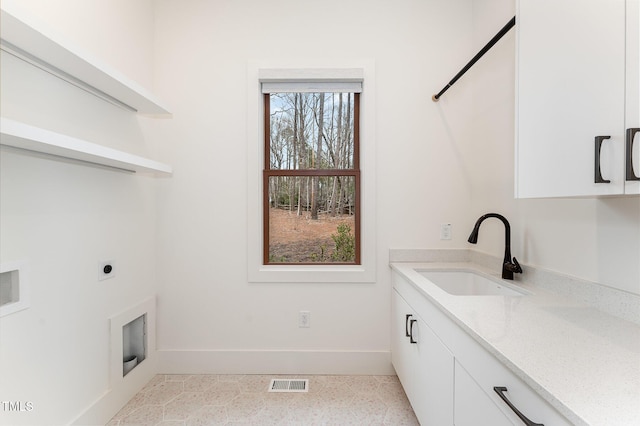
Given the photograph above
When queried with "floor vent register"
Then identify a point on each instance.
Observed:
(289, 385)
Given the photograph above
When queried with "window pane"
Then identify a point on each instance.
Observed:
(312, 219)
(311, 131)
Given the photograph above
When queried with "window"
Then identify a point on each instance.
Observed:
(311, 76)
(311, 178)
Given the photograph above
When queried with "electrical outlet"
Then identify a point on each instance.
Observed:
(106, 269)
(304, 319)
(445, 231)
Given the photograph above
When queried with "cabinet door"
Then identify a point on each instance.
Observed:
(472, 406)
(632, 118)
(424, 365)
(434, 393)
(477, 374)
(402, 354)
(570, 89)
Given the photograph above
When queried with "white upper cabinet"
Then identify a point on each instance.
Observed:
(577, 94)
(632, 117)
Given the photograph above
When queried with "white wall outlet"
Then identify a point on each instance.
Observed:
(304, 319)
(445, 231)
(106, 269)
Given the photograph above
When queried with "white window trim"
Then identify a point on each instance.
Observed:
(323, 69)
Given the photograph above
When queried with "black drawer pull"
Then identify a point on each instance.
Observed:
(598, 173)
(411, 331)
(500, 390)
(406, 325)
(629, 173)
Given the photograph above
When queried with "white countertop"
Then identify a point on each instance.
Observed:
(584, 362)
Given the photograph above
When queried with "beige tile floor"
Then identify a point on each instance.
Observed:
(198, 400)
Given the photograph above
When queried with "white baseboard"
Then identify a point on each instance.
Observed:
(275, 362)
(108, 404)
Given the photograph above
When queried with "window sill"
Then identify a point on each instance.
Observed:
(312, 274)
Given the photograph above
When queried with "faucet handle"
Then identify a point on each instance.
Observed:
(509, 267)
(516, 266)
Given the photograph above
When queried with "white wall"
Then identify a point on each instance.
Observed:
(64, 217)
(210, 317)
(593, 239)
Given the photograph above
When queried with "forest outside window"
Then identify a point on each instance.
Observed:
(311, 178)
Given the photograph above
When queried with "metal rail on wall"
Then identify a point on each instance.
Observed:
(479, 55)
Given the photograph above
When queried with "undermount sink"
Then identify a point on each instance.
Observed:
(468, 283)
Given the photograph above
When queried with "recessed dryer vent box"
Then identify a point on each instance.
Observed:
(13, 288)
(134, 343)
(132, 336)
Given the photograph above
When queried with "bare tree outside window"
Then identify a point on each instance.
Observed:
(311, 180)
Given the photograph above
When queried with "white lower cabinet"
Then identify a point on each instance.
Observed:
(476, 366)
(471, 403)
(448, 377)
(424, 366)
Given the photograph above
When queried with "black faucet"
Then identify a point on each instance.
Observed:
(508, 267)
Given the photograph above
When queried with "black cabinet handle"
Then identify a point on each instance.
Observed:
(629, 173)
(598, 174)
(411, 331)
(406, 325)
(500, 390)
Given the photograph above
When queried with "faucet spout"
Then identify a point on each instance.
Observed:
(509, 266)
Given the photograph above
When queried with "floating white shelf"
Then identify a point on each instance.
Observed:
(31, 40)
(24, 136)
